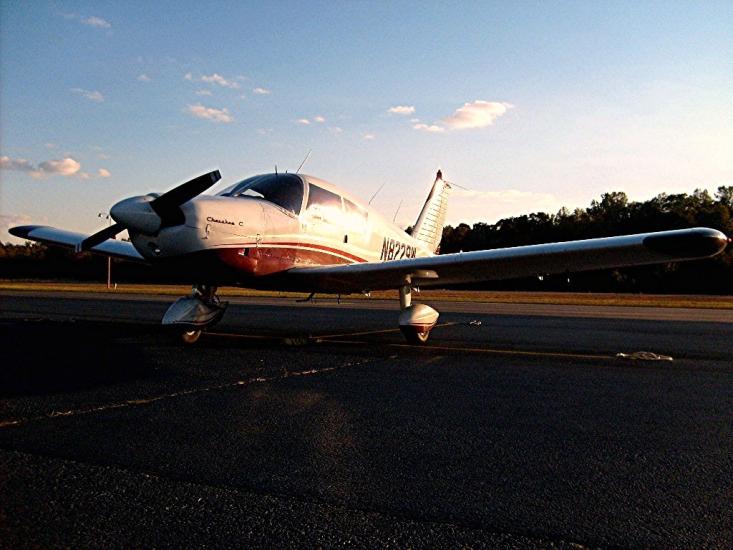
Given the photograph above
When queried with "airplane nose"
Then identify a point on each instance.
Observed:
(137, 214)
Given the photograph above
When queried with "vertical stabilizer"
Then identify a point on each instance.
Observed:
(429, 225)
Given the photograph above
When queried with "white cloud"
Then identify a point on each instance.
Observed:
(203, 92)
(58, 167)
(91, 21)
(478, 114)
(209, 113)
(319, 119)
(51, 146)
(63, 167)
(144, 78)
(215, 78)
(91, 95)
(368, 136)
(261, 91)
(431, 128)
(103, 173)
(401, 110)
(220, 80)
(22, 165)
(303, 121)
(336, 130)
(98, 22)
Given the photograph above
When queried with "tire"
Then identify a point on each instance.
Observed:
(413, 336)
(189, 337)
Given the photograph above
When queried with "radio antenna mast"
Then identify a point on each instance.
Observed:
(376, 193)
(304, 161)
(397, 211)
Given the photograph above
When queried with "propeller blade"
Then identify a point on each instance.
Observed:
(100, 237)
(167, 206)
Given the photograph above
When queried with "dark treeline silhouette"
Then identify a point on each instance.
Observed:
(40, 262)
(613, 215)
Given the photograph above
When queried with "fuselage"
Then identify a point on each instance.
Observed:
(269, 224)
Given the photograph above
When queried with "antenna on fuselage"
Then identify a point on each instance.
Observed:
(304, 161)
(397, 211)
(376, 193)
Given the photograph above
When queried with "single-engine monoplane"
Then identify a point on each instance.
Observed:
(298, 233)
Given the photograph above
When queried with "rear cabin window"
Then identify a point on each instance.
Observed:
(356, 216)
(324, 204)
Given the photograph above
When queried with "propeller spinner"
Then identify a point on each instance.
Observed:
(149, 214)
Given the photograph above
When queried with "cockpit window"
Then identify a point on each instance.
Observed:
(284, 190)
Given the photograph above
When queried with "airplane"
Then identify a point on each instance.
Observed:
(293, 232)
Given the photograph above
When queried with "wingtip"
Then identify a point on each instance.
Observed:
(697, 242)
(23, 231)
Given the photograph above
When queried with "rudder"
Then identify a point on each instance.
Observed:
(429, 225)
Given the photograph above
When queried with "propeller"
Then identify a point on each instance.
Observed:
(149, 214)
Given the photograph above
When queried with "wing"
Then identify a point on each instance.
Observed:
(510, 263)
(68, 239)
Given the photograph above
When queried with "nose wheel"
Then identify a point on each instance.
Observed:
(193, 314)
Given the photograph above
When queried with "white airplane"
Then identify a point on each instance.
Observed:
(298, 233)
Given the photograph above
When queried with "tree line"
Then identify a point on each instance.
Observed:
(612, 215)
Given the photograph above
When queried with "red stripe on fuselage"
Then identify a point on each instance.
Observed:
(319, 247)
(267, 259)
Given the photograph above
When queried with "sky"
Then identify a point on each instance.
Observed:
(528, 106)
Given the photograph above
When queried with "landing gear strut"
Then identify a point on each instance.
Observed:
(196, 312)
(416, 321)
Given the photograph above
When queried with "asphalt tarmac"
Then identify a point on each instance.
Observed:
(315, 425)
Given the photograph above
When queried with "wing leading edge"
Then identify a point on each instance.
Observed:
(521, 261)
(69, 239)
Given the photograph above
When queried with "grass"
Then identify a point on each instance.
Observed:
(509, 297)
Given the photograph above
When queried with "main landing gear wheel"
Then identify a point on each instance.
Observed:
(191, 336)
(413, 336)
(416, 320)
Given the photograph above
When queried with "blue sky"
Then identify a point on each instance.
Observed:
(531, 106)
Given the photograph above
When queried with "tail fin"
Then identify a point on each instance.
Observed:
(429, 225)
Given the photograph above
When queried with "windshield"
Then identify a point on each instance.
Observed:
(284, 190)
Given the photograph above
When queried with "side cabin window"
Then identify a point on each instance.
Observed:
(283, 190)
(324, 205)
(355, 217)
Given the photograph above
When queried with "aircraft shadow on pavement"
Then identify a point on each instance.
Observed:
(45, 357)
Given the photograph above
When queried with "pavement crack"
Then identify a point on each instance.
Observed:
(10, 422)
